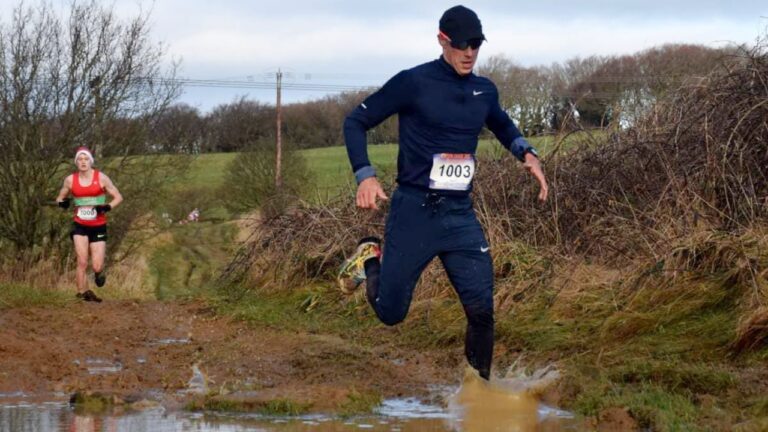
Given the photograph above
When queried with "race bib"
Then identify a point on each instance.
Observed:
(452, 171)
(87, 213)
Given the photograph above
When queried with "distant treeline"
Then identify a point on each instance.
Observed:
(590, 92)
(87, 76)
(239, 125)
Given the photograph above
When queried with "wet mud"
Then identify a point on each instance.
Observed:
(174, 354)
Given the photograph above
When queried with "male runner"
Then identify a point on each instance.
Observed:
(89, 233)
(442, 108)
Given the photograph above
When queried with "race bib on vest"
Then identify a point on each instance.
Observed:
(87, 213)
(452, 171)
(85, 206)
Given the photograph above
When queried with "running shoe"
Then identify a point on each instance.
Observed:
(91, 297)
(352, 271)
(100, 278)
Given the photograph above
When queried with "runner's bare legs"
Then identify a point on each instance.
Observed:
(98, 252)
(81, 249)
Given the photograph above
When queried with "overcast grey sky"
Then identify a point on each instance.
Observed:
(344, 42)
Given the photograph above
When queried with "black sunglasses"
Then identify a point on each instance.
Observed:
(472, 43)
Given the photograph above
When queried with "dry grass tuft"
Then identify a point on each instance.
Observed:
(752, 333)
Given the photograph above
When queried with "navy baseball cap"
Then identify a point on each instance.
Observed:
(461, 24)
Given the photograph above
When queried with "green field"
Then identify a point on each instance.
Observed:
(183, 262)
(329, 167)
(331, 170)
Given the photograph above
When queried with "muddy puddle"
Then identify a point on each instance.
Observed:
(168, 353)
(474, 407)
(395, 415)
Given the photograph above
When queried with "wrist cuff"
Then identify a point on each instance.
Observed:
(364, 172)
(532, 151)
(521, 144)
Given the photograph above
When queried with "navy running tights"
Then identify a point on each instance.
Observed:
(422, 225)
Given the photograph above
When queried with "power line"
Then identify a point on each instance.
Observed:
(261, 85)
(339, 88)
(349, 87)
(258, 85)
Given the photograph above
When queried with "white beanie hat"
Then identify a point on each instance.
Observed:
(85, 151)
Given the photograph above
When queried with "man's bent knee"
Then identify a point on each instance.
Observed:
(391, 315)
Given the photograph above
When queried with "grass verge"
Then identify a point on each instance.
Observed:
(660, 349)
(274, 407)
(13, 295)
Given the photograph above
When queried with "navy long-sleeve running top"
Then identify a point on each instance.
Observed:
(439, 111)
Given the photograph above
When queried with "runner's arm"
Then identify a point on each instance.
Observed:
(390, 99)
(65, 188)
(111, 189)
(510, 137)
(506, 132)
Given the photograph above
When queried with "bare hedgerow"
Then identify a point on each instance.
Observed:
(684, 191)
(697, 160)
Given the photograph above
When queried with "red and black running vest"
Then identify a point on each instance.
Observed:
(86, 200)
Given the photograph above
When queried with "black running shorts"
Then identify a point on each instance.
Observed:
(94, 233)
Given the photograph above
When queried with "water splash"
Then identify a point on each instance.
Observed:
(411, 408)
(197, 384)
(505, 404)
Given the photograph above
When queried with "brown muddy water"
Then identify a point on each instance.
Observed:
(474, 407)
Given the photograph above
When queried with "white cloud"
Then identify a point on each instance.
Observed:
(371, 41)
(356, 46)
(542, 42)
(353, 45)
(296, 41)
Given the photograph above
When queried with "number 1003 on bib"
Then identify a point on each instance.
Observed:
(452, 171)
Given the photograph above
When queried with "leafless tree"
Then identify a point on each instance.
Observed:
(525, 93)
(88, 79)
(179, 130)
(238, 125)
(249, 179)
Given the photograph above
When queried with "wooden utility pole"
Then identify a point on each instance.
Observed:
(279, 152)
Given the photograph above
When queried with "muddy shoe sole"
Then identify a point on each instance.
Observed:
(352, 272)
(91, 296)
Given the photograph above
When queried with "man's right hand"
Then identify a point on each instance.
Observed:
(64, 203)
(368, 191)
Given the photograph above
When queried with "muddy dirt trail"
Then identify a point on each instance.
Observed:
(148, 350)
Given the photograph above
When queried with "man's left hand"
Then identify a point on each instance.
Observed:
(533, 166)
